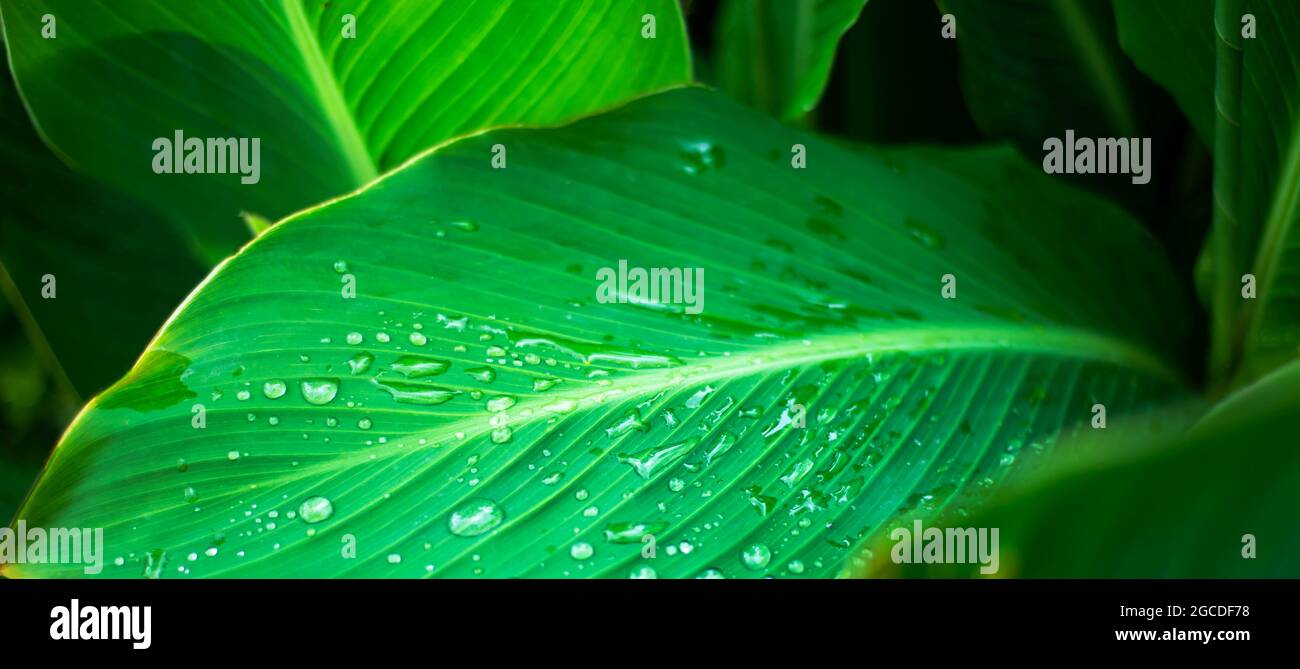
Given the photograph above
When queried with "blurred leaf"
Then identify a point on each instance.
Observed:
(1172, 41)
(1180, 509)
(1256, 159)
(330, 112)
(776, 55)
(117, 269)
(1268, 188)
(1033, 68)
(476, 410)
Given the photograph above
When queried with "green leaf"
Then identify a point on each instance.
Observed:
(1256, 121)
(1180, 509)
(92, 273)
(776, 55)
(1268, 189)
(1172, 41)
(476, 381)
(1033, 68)
(330, 112)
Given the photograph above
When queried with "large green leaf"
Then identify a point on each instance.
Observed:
(776, 54)
(1252, 95)
(476, 371)
(1172, 41)
(1180, 509)
(330, 112)
(110, 258)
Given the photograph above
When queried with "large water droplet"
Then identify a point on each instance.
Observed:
(360, 362)
(273, 389)
(319, 391)
(416, 393)
(315, 509)
(581, 551)
(475, 517)
(650, 461)
(701, 156)
(631, 533)
(418, 366)
(500, 403)
(756, 556)
(482, 374)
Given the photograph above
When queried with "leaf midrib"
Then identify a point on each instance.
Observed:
(340, 118)
(1277, 228)
(1066, 343)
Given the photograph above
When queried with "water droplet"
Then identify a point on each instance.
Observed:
(631, 533)
(923, 234)
(649, 461)
(495, 352)
(319, 392)
(644, 571)
(676, 484)
(394, 558)
(756, 556)
(482, 374)
(243, 395)
(698, 398)
(712, 573)
(561, 406)
(475, 517)
(418, 339)
(581, 551)
(154, 561)
(190, 495)
(540, 385)
(233, 455)
(501, 435)
(419, 367)
(341, 266)
(500, 403)
(795, 566)
(701, 156)
(631, 421)
(354, 338)
(416, 393)
(466, 226)
(360, 362)
(315, 509)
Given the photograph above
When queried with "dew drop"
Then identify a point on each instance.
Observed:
(315, 509)
(319, 392)
(701, 156)
(756, 556)
(475, 517)
(581, 551)
(360, 362)
(419, 367)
